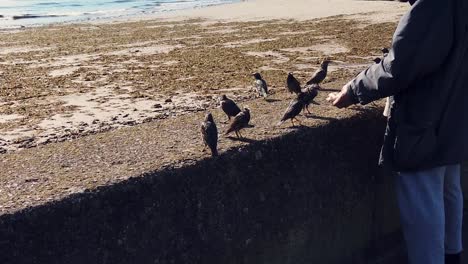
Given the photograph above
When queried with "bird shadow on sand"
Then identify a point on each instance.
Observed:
(364, 108)
(243, 139)
(272, 100)
(294, 127)
(320, 117)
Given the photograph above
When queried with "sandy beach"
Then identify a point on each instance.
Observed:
(104, 80)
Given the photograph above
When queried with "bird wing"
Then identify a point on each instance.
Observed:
(239, 121)
(294, 108)
(230, 108)
(203, 132)
(261, 84)
(318, 76)
(293, 84)
(311, 94)
(211, 135)
(262, 87)
(225, 107)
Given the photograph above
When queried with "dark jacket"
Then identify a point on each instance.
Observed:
(427, 73)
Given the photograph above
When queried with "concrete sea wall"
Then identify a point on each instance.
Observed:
(314, 195)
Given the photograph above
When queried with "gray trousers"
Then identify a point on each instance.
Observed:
(431, 211)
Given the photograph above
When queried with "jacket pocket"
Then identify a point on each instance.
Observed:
(414, 146)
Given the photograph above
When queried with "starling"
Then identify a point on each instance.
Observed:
(307, 95)
(261, 85)
(229, 107)
(320, 74)
(210, 134)
(294, 108)
(240, 121)
(293, 85)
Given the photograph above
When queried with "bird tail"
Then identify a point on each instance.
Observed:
(214, 152)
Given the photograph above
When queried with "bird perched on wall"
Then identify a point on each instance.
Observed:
(229, 107)
(210, 134)
(294, 108)
(320, 74)
(239, 122)
(261, 85)
(308, 94)
(293, 85)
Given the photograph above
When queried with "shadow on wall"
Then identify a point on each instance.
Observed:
(312, 196)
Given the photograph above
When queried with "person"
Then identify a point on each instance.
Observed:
(427, 131)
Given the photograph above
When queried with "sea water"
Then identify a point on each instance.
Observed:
(15, 13)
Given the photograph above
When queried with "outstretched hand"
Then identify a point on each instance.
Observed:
(341, 99)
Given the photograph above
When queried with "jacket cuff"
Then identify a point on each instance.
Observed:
(351, 93)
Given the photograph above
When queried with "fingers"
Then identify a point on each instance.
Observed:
(332, 97)
(338, 99)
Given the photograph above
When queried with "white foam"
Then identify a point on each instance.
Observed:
(84, 10)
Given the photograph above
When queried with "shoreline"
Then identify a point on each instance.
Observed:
(32, 18)
(253, 10)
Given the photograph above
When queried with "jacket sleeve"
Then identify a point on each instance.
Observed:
(421, 43)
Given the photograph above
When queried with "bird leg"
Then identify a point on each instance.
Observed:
(292, 121)
(298, 121)
(240, 134)
(237, 134)
(307, 108)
